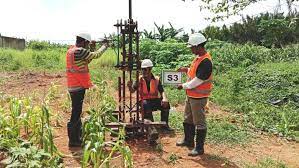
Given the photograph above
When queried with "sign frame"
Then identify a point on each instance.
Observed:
(165, 82)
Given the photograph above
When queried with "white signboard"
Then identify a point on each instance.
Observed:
(171, 77)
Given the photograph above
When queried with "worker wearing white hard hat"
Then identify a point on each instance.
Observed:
(78, 80)
(85, 36)
(198, 88)
(196, 39)
(147, 63)
(152, 93)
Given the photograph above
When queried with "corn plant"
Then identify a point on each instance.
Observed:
(37, 148)
(97, 151)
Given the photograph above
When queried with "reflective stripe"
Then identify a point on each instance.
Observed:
(72, 70)
(150, 94)
(205, 81)
(201, 91)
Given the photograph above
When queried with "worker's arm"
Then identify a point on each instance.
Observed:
(132, 87)
(162, 93)
(164, 101)
(96, 54)
(83, 56)
(203, 72)
(193, 83)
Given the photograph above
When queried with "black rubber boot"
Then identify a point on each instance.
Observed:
(188, 140)
(74, 135)
(200, 140)
(149, 115)
(165, 117)
(79, 128)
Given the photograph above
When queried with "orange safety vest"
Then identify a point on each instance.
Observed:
(76, 77)
(153, 93)
(204, 89)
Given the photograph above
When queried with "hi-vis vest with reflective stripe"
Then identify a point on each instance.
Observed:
(76, 77)
(153, 93)
(205, 88)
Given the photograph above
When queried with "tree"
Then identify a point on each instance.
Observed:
(149, 34)
(276, 32)
(165, 33)
(225, 8)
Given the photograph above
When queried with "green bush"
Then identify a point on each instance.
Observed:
(7, 61)
(44, 45)
(162, 52)
(46, 59)
(226, 55)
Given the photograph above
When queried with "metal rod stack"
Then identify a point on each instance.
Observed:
(128, 43)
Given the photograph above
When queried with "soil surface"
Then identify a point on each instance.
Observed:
(263, 146)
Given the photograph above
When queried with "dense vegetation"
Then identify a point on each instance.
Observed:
(248, 79)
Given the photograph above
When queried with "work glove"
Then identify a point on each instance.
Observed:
(129, 84)
(92, 45)
(179, 86)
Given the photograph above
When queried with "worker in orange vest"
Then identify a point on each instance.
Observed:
(198, 88)
(78, 80)
(149, 89)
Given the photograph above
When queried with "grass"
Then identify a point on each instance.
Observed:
(267, 163)
(45, 60)
(215, 158)
(174, 95)
(48, 60)
(251, 90)
(108, 59)
(221, 131)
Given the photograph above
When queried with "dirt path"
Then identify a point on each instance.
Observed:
(263, 146)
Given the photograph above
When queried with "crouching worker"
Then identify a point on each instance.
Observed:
(149, 88)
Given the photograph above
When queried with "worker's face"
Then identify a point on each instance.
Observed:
(146, 72)
(86, 44)
(196, 49)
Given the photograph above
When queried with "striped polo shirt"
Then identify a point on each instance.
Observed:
(84, 56)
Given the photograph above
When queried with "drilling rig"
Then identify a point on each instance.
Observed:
(130, 112)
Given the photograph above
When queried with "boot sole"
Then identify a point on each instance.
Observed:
(185, 145)
(193, 155)
(197, 154)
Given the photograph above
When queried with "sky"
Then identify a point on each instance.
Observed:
(60, 20)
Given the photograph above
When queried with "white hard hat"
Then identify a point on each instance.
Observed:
(196, 39)
(85, 36)
(146, 63)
